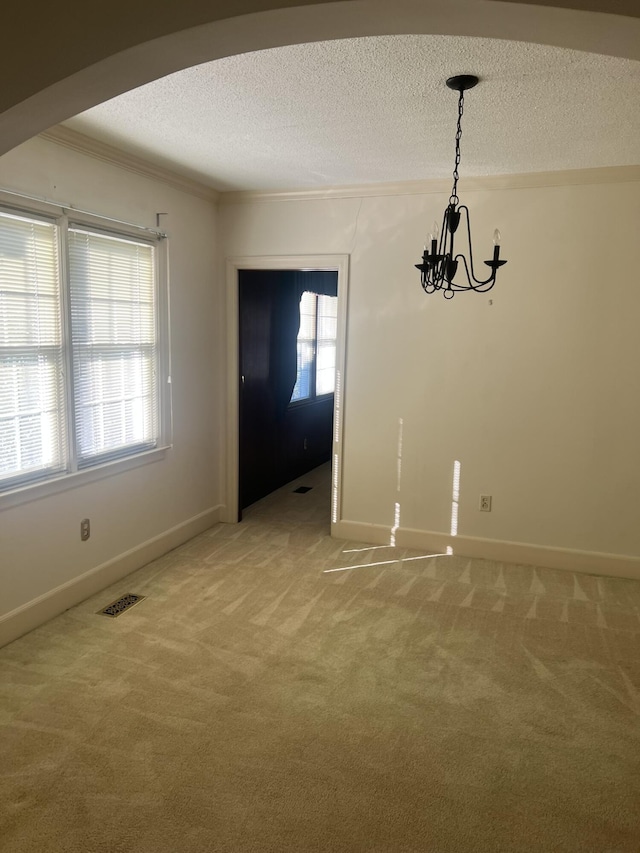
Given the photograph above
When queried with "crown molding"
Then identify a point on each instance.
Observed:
(527, 180)
(76, 141)
(83, 144)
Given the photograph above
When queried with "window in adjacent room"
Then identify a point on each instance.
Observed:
(81, 360)
(316, 348)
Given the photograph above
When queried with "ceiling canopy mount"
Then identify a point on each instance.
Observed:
(462, 82)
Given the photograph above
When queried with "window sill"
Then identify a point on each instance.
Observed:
(64, 482)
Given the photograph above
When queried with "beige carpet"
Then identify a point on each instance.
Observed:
(258, 701)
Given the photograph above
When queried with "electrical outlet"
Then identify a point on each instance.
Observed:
(85, 529)
(485, 503)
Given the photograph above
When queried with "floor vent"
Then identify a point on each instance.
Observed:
(301, 490)
(122, 604)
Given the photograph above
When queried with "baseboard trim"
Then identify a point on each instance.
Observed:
(586, 562)
(40, 610)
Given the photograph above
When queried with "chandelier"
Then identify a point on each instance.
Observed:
(440, 265)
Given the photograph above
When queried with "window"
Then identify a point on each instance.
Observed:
(32, 423)
(316, 374)
(79, 346)
(113, 341)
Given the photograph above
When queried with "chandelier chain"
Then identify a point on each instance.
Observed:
(454, 192)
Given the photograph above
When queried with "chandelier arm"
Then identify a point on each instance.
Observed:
(480, 286)
(460, 287)
(450, 239)
(443, 234)
(469, 267)
(439, 266)
(473, 275)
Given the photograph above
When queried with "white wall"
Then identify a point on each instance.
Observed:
(40, 547)
(533, 387)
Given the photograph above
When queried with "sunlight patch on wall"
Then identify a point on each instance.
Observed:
(455, 503)
(455, 498)
(338, 408)
(396, 513)
(335, 473)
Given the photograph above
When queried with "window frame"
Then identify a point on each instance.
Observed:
(24, 478)
(43, 484)
(313, 397)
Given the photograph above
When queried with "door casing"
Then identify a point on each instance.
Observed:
(340, 263)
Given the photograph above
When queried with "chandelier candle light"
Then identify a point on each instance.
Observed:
(439, 266)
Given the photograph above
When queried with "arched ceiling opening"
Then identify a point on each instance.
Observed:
(56, 65)
(375, 109)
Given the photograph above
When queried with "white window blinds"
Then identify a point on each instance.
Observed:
(114, 345)
(32, 422)
(316, 347)
(326, 340)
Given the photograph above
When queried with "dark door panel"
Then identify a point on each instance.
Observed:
(275, 445)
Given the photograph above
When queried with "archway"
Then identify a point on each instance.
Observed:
(65, 65)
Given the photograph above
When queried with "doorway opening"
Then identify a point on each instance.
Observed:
(286, 319)
(287, 358)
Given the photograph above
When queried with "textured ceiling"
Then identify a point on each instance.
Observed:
(367, 110)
